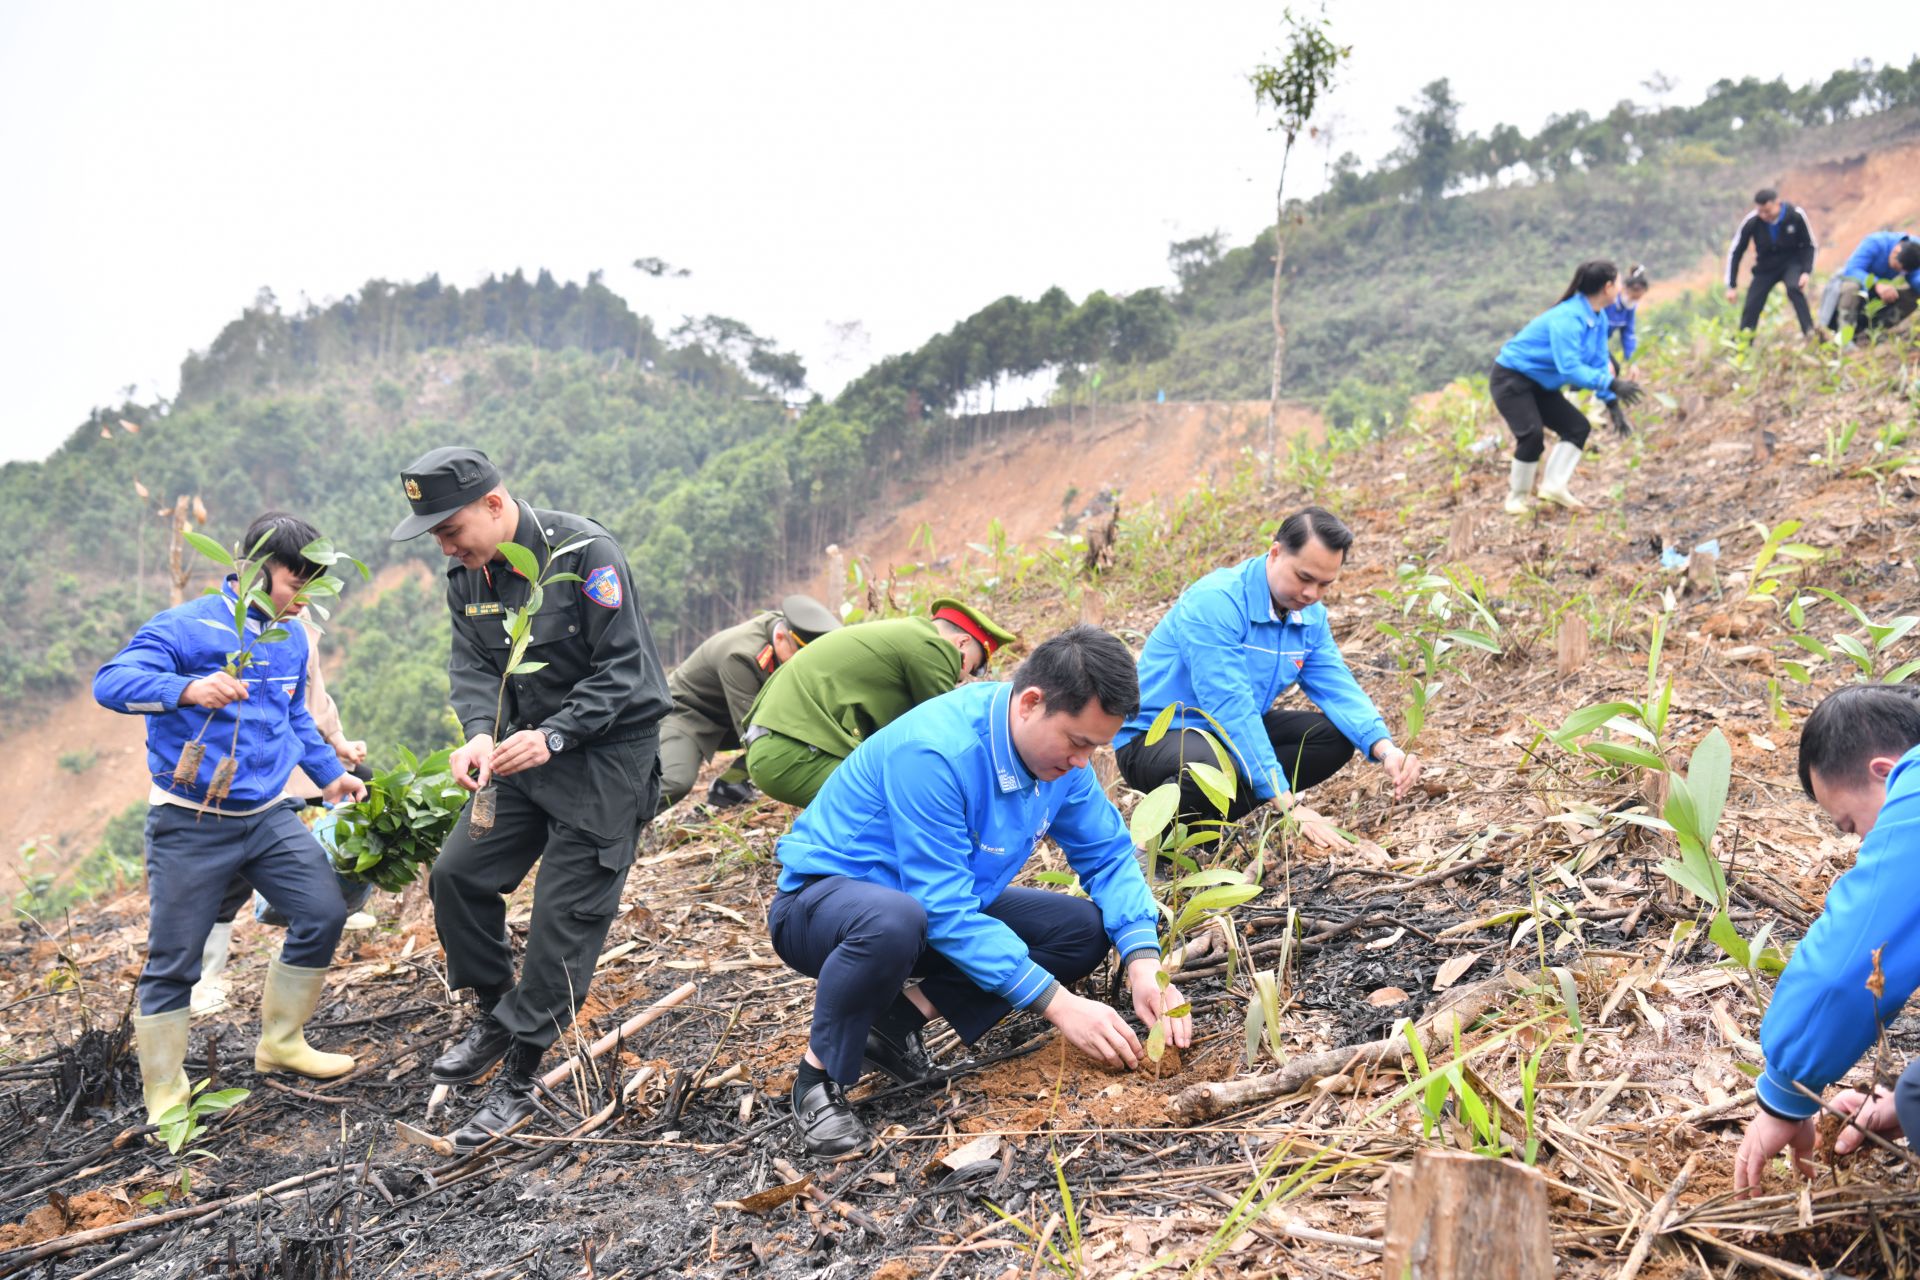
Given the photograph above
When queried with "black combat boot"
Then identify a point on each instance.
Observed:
(722, 794)
(509, 1097)
(476, 1051)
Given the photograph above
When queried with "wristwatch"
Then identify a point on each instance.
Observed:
(556, 741)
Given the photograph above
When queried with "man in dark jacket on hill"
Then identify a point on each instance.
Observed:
(1783, 249)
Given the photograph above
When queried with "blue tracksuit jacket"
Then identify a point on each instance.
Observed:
(939, 806)
(1223, 649)
(1823, 1018)
(1869, 262)
(1563, 346)
(1620, 319)
(276, 732)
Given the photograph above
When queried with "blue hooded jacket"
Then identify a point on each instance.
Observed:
(191, 640)
(1620, 316)
(939, 806)
(1563, 346)
(1823, 1018)
(1223, 649)
(1868, 263)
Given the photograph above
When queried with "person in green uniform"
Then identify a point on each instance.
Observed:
(817, 708)
(715, 687)
(573, 760)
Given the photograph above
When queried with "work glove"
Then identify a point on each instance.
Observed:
(1619, 417)
(1629, 392)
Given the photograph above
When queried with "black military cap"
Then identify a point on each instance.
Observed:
(439, 483)
(808, 618)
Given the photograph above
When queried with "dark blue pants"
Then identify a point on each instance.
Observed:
(1906, 1103)
(191, 858)
(863, 941)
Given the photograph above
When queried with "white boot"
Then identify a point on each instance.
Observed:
(160, 1042)
(1520, 487)
(210, 993)
(1560, 464)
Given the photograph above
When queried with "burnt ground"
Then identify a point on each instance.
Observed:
(1501, 873)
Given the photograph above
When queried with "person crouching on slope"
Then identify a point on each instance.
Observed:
(1622, 315)
(1563, 346)
(172, 672)
(1859, 761)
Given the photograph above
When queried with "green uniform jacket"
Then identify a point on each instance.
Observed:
(719, 680)
(602, 680)
(853, 681)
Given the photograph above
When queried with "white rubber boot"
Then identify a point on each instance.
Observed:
(289, 1000)
(1559, 473)
(1520, 487)
(160, 1042)
(210, 993)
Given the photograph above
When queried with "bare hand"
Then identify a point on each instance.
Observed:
(352, 753)
(474, 757)
(1767, 1136)
(1402, 766)
(214, 692)
(525, 750)
(1094, 1029)
(1151, 1001)
(1804, 277)
(1732, 293)
(1875, 1115)
(1317, 829)
(343, 788)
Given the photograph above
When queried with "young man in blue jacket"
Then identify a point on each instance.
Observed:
(901, 866)
(172, 673)
(1233, 643)
(1887, 265)
(1859, 761)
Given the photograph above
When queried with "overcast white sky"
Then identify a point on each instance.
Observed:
(899, 165)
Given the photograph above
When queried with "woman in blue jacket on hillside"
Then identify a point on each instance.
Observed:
(1563, 346)
(1621, 315)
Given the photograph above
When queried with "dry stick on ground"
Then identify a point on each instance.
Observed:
(1205, 1101)
(1656, 1219)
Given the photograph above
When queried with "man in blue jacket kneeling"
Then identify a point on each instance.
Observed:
(1859, 761)
(1233, 643)
(200, 836)
(900, 869)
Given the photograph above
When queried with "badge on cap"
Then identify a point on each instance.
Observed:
(603, 587)
(413, 489)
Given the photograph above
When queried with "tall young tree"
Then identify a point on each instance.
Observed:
(1292, 90)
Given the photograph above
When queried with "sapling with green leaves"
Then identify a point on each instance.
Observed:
(398, 829)
(519, 628)
(185, 1122)
(1869, 653)
(253, 590)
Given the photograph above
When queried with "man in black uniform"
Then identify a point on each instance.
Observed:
(1782, 254)
(574, 760)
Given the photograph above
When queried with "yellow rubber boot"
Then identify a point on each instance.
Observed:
(289, 1000)
(160, 1041)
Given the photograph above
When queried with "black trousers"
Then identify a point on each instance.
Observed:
(1528, 407)
(1767, 275)
(579, 816)
(1309, 748)
(863, 941)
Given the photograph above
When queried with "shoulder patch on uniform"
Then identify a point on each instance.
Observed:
(603, 587)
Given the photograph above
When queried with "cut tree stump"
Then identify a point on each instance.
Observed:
(1460, 534)
(1570, 644)
(1455, 1216)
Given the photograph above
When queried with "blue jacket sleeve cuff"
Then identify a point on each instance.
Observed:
(1782, 1099)
(1136, 937)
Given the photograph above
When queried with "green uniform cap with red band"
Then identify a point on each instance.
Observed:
(989, 633)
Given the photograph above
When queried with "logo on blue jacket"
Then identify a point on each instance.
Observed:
(603, 587)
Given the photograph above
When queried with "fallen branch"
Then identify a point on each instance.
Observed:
(1656, 1220)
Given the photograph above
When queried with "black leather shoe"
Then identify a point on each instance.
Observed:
(904, 1057)
(486, 1040)
(509, 1098)
(826, 1123)
(722, 794)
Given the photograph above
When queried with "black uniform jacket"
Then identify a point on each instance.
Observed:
(1789, 253)
(602, 685)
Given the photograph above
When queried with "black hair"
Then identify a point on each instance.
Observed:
(1636, 277)
(286, 536)
(1317, 523)
(1082, 663)
(1855, 724)
(1590, 278)
(1907, 255)
(1765, 195)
